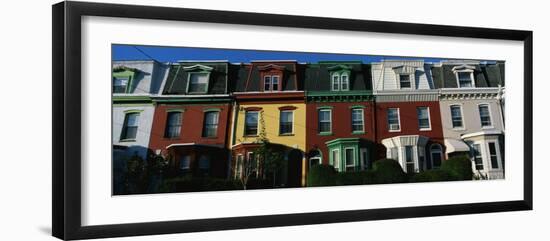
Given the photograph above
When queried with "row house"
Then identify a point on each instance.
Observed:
(134, 86)
(471, 107)
(340, 115)
(208, 118)
(190, 122)
(269, 107)
(408, 122)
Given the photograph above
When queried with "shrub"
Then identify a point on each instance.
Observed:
(196, 184)
(388, 171)
(355, 178)
(434, 175)
(321, 175)
(459, 167)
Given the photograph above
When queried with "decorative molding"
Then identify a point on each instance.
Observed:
(198, 67)
(271, 66)
(471, 93)
(251, 108)
(288, 107)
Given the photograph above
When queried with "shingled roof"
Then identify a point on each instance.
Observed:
(317, 76)
(485, 74)
(176, 82)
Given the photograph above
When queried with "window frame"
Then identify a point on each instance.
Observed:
(474, 156)
(126, 89)
(497, 155)
(398, 119)
(335, 164)
(291, 123)
(342, 75)
(319, 121)
(429, 128)
(472, 80)
(354, 164)
(413, 159)
(167, 126)
(239, 165)
(362, 121)
(400, 81)
(257, 122)
(490, 126)
(188, 166)
(335, 77)
(189, 75)
(432, 152)
(204, 124)
(364, 159)
(463, 124)
(124, 130)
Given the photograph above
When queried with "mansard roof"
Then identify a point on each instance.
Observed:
(248, 77)
(317, 75)
(386, 73)
(176, 82)
(485, 74)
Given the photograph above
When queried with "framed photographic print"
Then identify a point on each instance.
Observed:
(169, 120)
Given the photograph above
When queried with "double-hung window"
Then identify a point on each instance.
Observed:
(120, 84)
(271, 83)
(393, 119)
(456, 116)
(404, 81)
(464, 79)
(325, 119)
(423, 114)
(357, 120)
(251, 123)
(210, 128)
(340, 81)
(409, 159)
(493, 155)
(349, 154)
(130, 127)
(436, 155)
(173, 125)
(336, 159)
(198, 82)
(484, 115)
(335, 82)
(478, 160)
(285, 122)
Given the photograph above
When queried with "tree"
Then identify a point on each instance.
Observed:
(135, 179)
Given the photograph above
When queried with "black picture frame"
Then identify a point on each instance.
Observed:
(66, 198)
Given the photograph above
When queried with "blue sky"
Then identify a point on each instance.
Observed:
(173, 54)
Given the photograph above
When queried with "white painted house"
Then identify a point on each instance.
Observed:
(471, 103)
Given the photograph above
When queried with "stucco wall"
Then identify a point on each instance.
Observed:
(270, 115)
(470, 117)
(144, 128)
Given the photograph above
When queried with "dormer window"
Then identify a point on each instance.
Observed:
(198, 78)
(464, 76)
(464, 79)
(120, 84)
(404, 81)
(198, 83)
(271, 82)
(340, 81)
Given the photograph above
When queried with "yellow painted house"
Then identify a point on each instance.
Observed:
(269, 108)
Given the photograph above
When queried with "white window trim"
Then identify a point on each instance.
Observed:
(483, 152)
(499, 159)
(492, 126)
(345, 158)
(333, 159)
(414, 153)
(429, 119)
(461, 115)
(411, 80)
(398, 119)
(257, 123)
(280, 114)
(270, 82)
(362, 120)
(330, 120)
(440, 151)
(189, 82)
(332, 81)
(341, 81)
(471, 78)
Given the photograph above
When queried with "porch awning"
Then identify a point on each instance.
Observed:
(454, 145)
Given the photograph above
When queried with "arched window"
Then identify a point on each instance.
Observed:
(436, 155)
(315, 158)
(344, 79)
